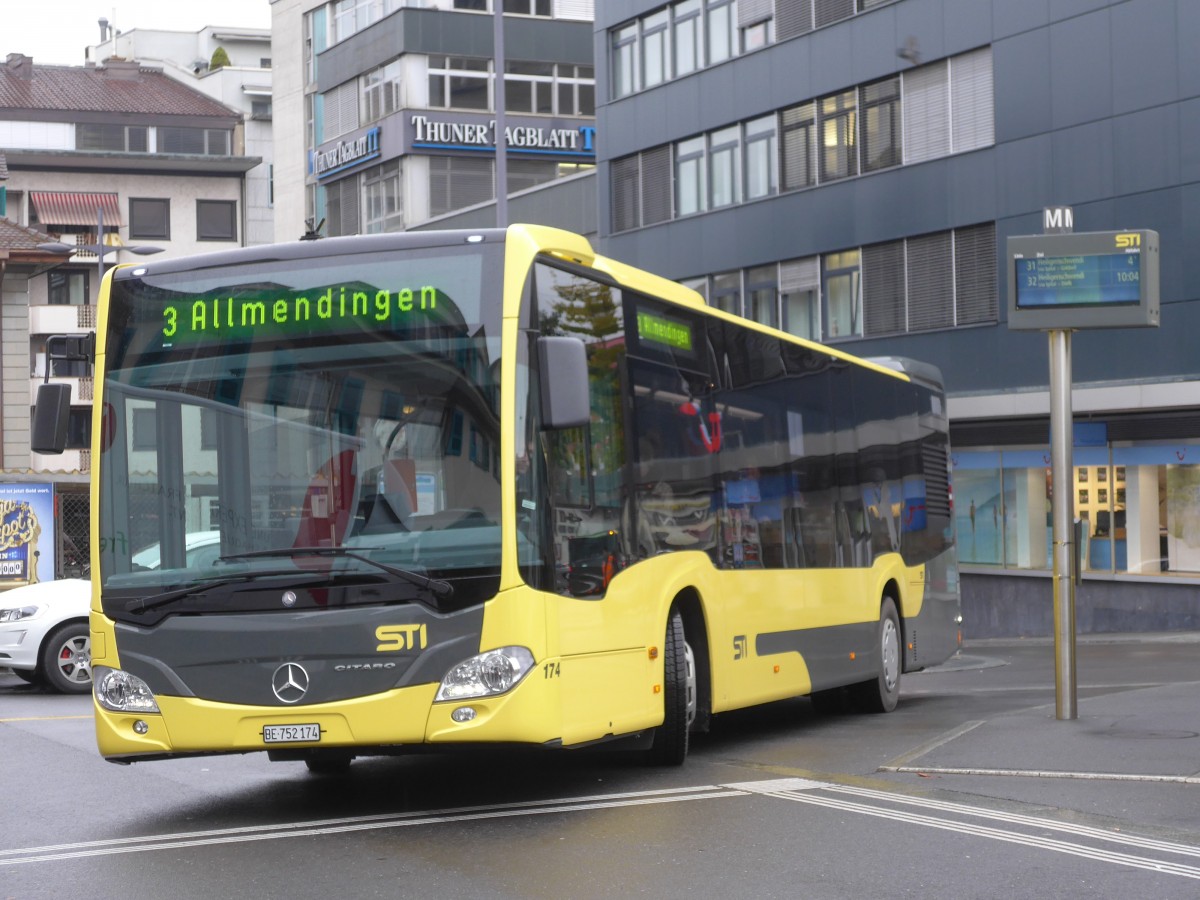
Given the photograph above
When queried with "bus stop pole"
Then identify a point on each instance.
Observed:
(1061, 503)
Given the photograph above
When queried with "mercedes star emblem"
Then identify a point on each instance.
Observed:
(290, 683)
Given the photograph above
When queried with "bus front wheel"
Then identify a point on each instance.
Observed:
(670, 744)
(881, 693)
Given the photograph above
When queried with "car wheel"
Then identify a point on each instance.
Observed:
(880, 694)
(67, 659)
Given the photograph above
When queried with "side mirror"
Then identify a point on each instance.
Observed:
(563, 381)
(51, 413)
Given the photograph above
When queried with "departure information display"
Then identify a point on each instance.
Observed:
(1095, 279)
(1111, 278)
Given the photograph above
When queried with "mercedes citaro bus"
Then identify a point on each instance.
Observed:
(491, 488)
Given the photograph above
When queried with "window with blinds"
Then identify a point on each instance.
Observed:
(883, 286)
(930, 282)
(975, 290)
(879, 105)
(751, 12)
(972, 107)
(625, 191)
(927, 112)
(341, 207)
(799, 290)
(456, 182)
(656, 185)
(792, 18)
(826, 12)
(341, 110)
(799, 135)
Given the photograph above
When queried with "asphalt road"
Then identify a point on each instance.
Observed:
(972, 788)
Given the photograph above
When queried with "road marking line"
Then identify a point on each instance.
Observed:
(930, 746)
(799, 790)
(998, 834)
(1020, 819)
(1044, 773)
(249, 834)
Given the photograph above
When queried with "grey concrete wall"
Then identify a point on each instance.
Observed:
(996, 605)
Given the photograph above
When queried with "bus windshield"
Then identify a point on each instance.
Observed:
(257, 411)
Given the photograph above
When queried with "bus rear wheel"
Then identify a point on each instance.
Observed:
(881, 693)
(670, 744)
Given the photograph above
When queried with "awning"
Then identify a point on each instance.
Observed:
(71, 208)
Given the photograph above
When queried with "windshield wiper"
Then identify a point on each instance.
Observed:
(143, 604)
(436, 586)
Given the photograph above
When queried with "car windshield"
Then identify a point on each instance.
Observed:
(258, 408)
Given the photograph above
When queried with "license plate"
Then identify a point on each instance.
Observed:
(289, 734)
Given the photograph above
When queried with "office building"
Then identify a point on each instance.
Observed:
(385, 110)
(851, 170)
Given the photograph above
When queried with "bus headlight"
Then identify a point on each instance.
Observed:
(488, 673)
(119, 691)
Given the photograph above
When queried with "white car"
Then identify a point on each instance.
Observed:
(202, 550)
(44, 634)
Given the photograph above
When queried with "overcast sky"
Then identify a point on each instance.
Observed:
(57, 31)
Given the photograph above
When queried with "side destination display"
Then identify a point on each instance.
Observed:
(1106, 279)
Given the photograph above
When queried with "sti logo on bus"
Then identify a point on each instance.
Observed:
(401, 637)
(1128, 241)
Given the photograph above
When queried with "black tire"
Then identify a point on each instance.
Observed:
(828, 703)
(329, 763)
(66, 663)
(27, 675)
(670, 744)
(880, 694)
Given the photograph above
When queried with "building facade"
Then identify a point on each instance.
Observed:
(106, 161)
(387, 108)
(244, 84)
(850, 171)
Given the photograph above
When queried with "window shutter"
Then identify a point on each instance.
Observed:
(472, 181)
(656, 185)
(972, 108)
(830, 11)
(975, 292)
(581, 10)
(751, 12)
(930, 282)
(883, 288)
(625, 191)
(796, 275)
(926, 108)
(793, 17)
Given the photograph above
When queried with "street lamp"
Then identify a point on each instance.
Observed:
(99, 248)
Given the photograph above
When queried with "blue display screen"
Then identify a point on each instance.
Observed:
(1102, 280)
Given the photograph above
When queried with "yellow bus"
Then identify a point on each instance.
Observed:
(363, 494)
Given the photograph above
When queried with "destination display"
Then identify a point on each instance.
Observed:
(1079, 280)
(381, 296)
(1099, 279)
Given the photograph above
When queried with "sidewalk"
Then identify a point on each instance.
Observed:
(1149, 734)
